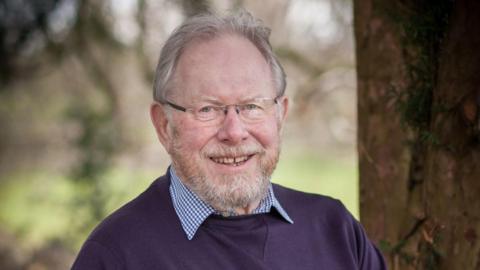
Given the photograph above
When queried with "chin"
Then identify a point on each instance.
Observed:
(227, 192)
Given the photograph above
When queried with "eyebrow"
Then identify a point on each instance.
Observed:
(215, 101)
(211, 100)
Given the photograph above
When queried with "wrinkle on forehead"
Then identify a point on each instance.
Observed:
(222, 66)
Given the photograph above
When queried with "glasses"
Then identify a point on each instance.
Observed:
(255, 110)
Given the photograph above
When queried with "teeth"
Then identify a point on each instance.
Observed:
(240, 159)
(230, 160)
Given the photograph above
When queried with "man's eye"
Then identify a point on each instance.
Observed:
(252, 107)
(206, 109)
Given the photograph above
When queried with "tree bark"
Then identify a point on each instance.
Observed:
(418, 68)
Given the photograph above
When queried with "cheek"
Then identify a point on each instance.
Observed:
(191, 138)
(267, 134)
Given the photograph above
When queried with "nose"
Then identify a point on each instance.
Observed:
(232, 131)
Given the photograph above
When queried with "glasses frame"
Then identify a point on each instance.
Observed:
(224, 108)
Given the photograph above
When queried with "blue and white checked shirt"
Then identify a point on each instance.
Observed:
(192, 211)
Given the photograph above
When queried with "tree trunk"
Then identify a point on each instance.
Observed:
(419, 130)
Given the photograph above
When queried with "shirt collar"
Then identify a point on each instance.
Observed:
(192, 211)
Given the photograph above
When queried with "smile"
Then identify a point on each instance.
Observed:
(231, 161)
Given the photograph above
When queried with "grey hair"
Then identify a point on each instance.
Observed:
(205, 27)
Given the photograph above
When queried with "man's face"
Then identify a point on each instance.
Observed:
(228, 163)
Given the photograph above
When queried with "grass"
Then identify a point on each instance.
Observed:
(32, 205)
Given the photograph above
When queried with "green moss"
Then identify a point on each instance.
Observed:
(422, 25)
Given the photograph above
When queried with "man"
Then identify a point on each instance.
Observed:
(218, 111)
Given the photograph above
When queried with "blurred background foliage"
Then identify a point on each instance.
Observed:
(75, 87)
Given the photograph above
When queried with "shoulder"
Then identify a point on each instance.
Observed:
(332, 224)
(314, 212)
(125, 232)
(301, 204)
(138, 215)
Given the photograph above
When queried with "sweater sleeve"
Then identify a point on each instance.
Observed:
(370, 257)
(95, 256)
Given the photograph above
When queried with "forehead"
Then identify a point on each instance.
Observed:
(226, 67)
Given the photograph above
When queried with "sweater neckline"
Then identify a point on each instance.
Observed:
(242, 222)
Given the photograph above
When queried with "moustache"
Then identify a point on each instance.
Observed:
(236, 151)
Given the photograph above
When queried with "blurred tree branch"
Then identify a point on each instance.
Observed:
(192, 7)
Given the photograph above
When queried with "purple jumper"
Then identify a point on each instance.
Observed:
(146, 234)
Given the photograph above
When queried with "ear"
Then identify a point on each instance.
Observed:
(160, 121)
(282, 112)
(284, 108)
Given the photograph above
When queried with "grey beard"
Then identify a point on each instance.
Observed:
(225, 193)
(232, 193)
